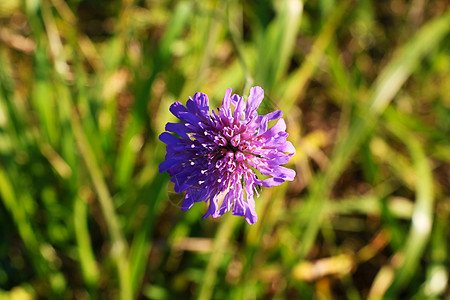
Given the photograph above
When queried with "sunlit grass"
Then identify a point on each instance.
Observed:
(85, 88)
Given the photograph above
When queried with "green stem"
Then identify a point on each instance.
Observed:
(119, 245)
(423, 214)
(220, 243)
(236, 41)
(85, 252)
(384, 89)
(299, 80)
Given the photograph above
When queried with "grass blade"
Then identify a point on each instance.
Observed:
(386, 86)
(423, 213)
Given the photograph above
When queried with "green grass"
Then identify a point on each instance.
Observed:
(85, 88)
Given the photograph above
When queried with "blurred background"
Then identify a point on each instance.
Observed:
(85, 87)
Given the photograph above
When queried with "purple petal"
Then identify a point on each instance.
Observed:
(272, 131)
(212, 207)
(270, 182)
(285, 173)
(287, 147)
(179, 111)
(176, 108)
(199, 105)
(254, 100)
(225, 111)
(263, 125)
(168, 138)
(240, 206)
(275, 115)
(168, 164)
(179, 129)
(202, 102)
(226, 204)
(194, 195)
(251, 217)
(239, 110)
(277, 158)
(187, 202)
(250, 214)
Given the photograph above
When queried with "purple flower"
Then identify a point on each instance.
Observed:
(214, 156)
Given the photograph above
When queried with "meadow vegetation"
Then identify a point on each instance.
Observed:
(85, 87)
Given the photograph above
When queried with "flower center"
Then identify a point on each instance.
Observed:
(230, 147)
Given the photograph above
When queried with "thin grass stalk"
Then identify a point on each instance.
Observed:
(85, 252)
(119, 248)
(220, 244)
(385, 88)
(236, 40)
(298, 81)
(423, 213)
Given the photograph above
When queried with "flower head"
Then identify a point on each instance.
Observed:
(214, 156)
